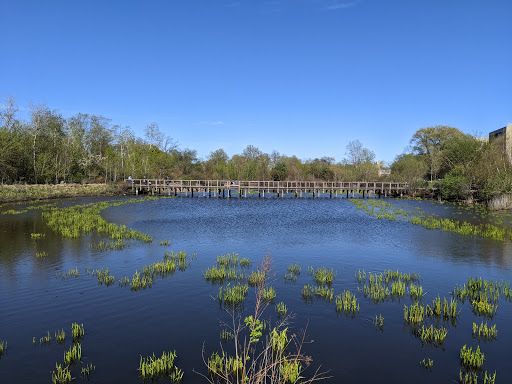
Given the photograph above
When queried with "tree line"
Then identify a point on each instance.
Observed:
(48, 148)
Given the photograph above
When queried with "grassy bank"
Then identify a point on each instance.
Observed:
(13, 193)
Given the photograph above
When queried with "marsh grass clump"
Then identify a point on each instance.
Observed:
(45, 339)
(427, 363)
(268, 294)
(104, 277)
(442, 309)
(470, 359)
(324, 292)
(61, 375)
(256, 278)
(233, 296)
(41, 255)
(37, 236)
(281, 310)
(77, 331)
(60, 336)
(378, 322)
(323, 276)
(73, 355)
(164, 243)
(226, 336)
(86, 371)
(245, 262)
(416, 292)
(347, 302)
(431, 335)
(3, 347)
(228, 260)
(124, 281)
(307, 292)
(71, 273)
(485, 333)
(153, 367)
(414, 314)
(115, 245)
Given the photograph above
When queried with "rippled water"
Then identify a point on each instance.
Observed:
(178, 313)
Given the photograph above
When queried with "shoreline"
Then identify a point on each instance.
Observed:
(33, 192)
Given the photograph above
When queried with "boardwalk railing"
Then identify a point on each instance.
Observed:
(242, 187)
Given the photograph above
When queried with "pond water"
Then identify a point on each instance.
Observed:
(180, 313)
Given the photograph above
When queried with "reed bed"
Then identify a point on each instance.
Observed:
(233, 295)
(414, 314)
(388, 285)
(427, 363)
(485, 333)
(61, 375)
(471, 377)
(431, 335)
(281, 310)
(416, 292)
(60, 336)
(347, 302)
(325, 293)
(323, 276)
(153, 367)
(73, 355)
(77, 331)
(86, 371)
(472, 360)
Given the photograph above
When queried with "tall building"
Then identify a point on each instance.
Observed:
(505, 135)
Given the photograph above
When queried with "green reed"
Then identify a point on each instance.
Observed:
(485, 333)
(104, 277)
(324, 293)
(268, 294)
(347, 302)
(73, 355)
(165, 243)
(86, 371)
(62, 375)
(294, 269)
(245, 262)
(323, 276)
(37, 236)
(228, 260)
(124, 281)
(431, 335)
(218, 365)
(77, 331)
(60, 336)
(256, 278)
(442, 309)
(307, 292)
(414, 314)
(45, 339)
(153, 367)
(233, 295)
(378, 322)
(71, 273)
(226, 336)
(3, 347)
(116, 245)
(281, 310)
(471, 359)
(41, 255)
(427, 363)
(416, 292)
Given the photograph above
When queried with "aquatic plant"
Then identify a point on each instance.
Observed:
(165, 243)
(152, 367)
(245, 262)
(324, 293)
(431, 335)
(104, 277)
(42, 254)
(226, 336)
(471, 359)
(71, 273)
(378, 321)
(268, 294)
(37, 236)
(45, 339)
(60, 336)
(3, 347)
(427, 363)
(416, 292)
(77, 331)
(234, 295)
(73, 355)
(414, 314)
(228, 260)
(323, 276)
(62, 375)
(307, 292)
(124, 281)
(256, 278)
(347, 303)
(281, 309)
(294, 269)
(87, 370)
(484, 332)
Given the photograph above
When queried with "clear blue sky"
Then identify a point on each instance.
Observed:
(303, 77)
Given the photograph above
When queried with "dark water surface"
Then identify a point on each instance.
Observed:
(178, 312)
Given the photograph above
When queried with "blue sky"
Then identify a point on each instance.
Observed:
(303, 77)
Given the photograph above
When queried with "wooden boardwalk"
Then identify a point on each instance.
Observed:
(241, 188)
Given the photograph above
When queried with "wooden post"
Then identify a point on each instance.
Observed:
(192, 190)
(263, 193)
(363, 193)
